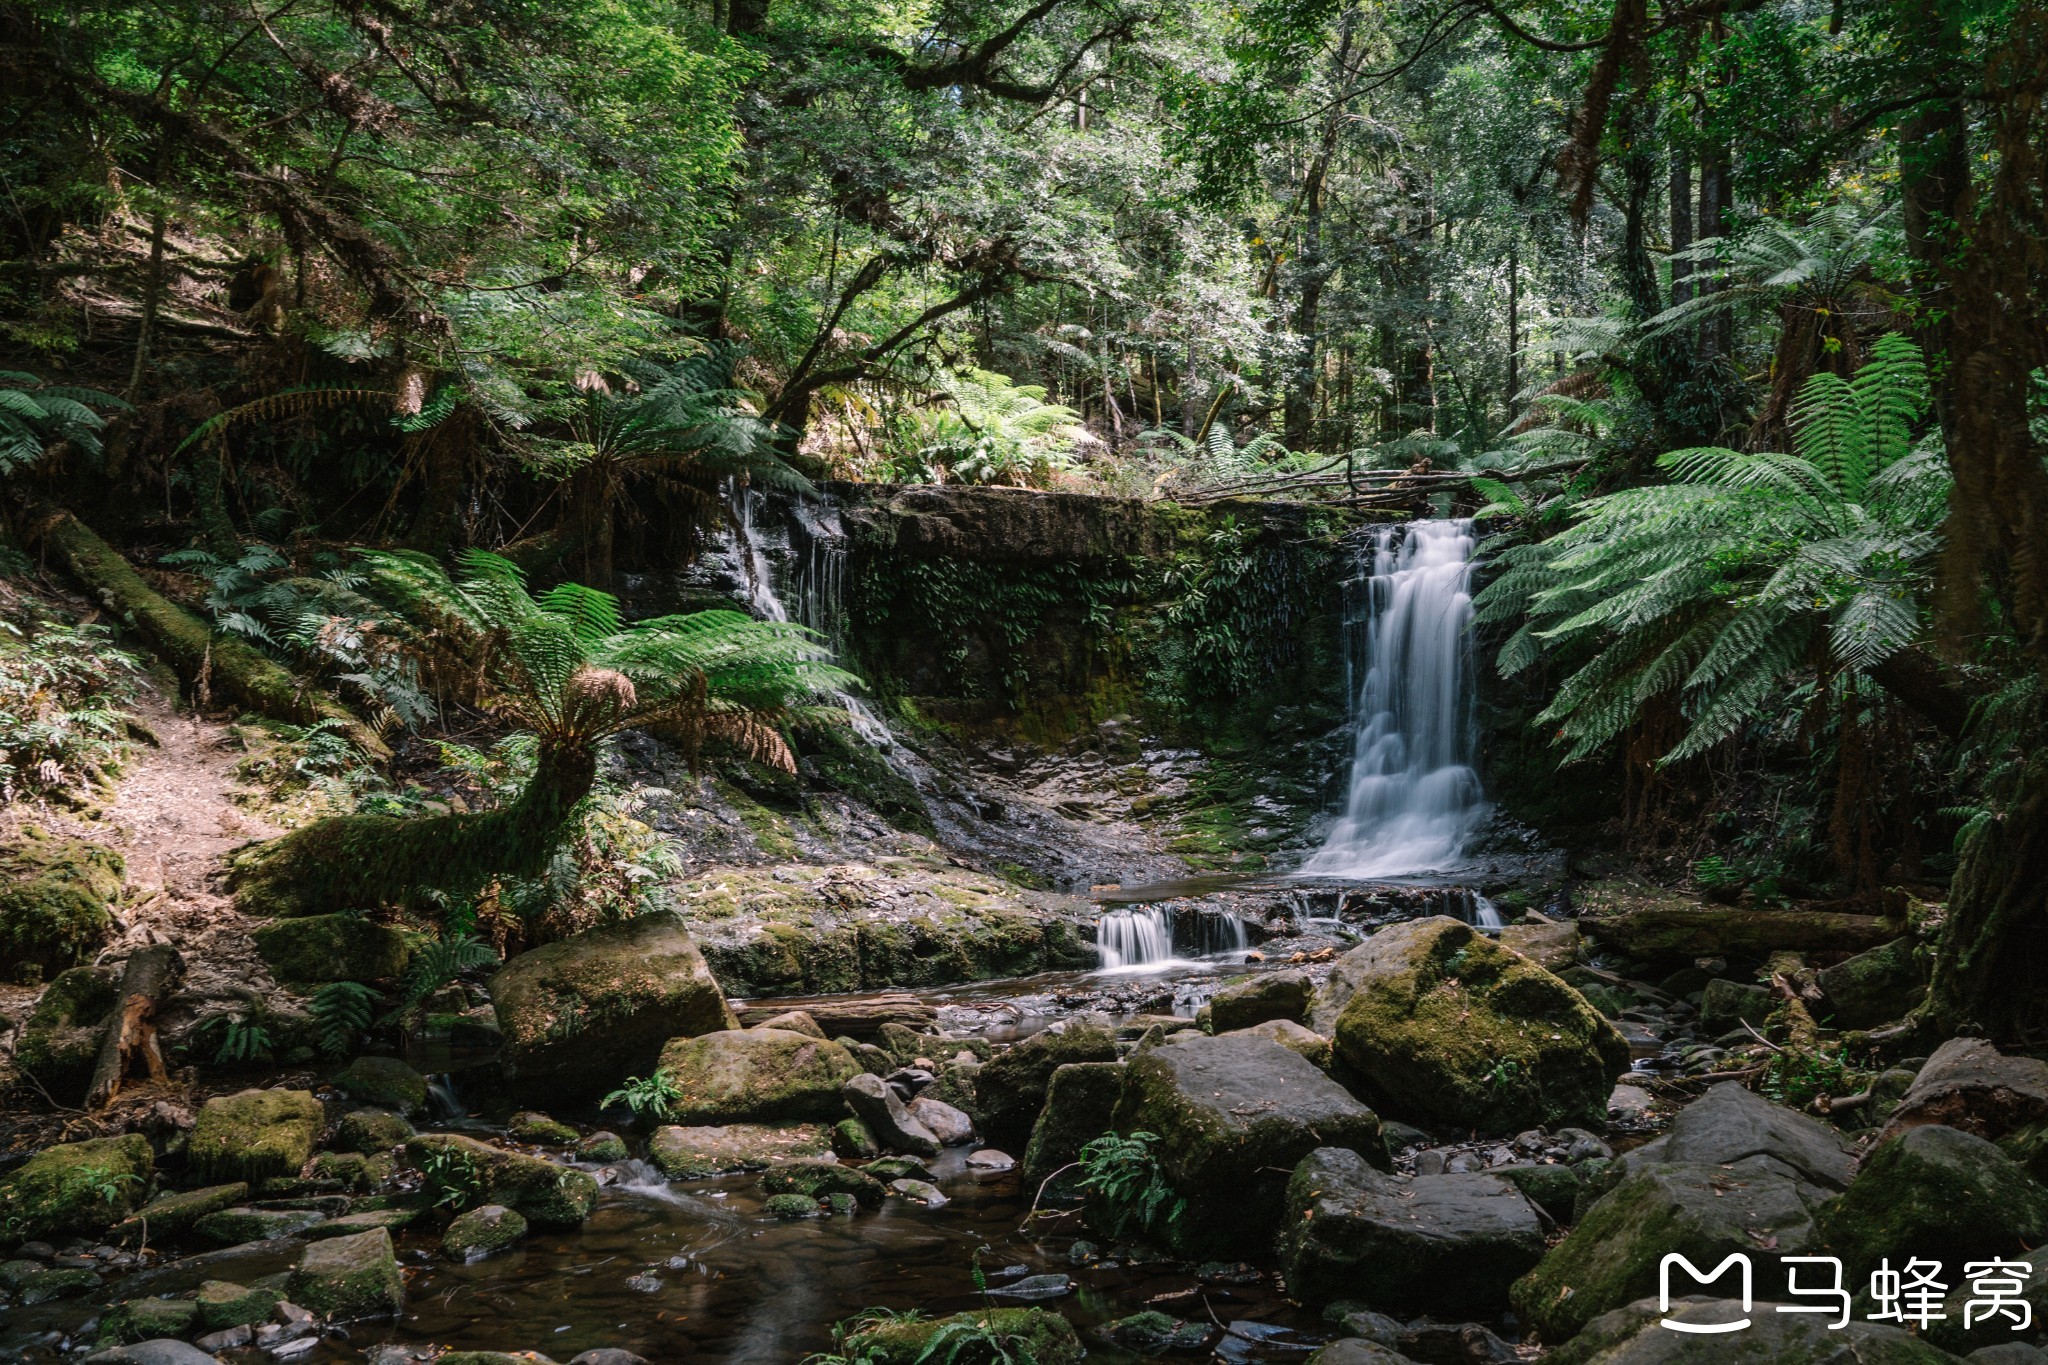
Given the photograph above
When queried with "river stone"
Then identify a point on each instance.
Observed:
(1358, 1351)
(608, 1355)
(794, 1021)
(920, 1192)
(1727, 1005)
(174, 1212)
(349, 1277)
(756, 1076)
(816, 1179)
(232, 1227)
(348, 1224)
(1448, 1245)
(852, 1141)
(47, 1286)
(951, 1127)
(1041, 1335)
(1631, 1335)
(698, 1153)
(1971, 1085)
(876, 1105)
(533, 1126)
(1289, 1035)
(1234, 1116)
(602, 1147)
(255, 1135)
(1010, 1089)
(1260, 997)
(482, 1232)
(549, 1196)
(1730, 1123)
(1874, 987)
(581, 1013)
(146, 1319)
(1938, 1193)
(385, 1082)
(162, 1352)
(1448, 1027)
(370, 1131)
(222, 1304)
(332, 948)
(1153, 1333)
(1080, 1103)
(898, 1168)
(77, 1186)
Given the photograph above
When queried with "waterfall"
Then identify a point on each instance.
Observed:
(1147, 935)
(1414, 797)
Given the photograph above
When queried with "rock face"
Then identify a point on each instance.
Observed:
(349, 1277)
(332, 948)
(1044, 1337)
(1875, 987)
(580, 1014)
(482, 1232)
(1268, 995)
(77, 1186)
(385, 1082)
(1971, 1085)
(54, 895)
(548, 1195)
(1734, 1173)
(1234, 1116)
(699, 1153)
(1010, 1088)
(1291, 1036)
(1630, 1335)
(756, 1076)
(1945, 1194)
(1448, 1245)
(255, 1135)
(1446, 1027)
(875, 1104)
(1080, 1105)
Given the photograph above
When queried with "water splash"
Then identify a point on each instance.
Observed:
(1414, 797)
(1152, 936)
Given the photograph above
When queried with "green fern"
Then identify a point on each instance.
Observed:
(341, 1013)
(438, 964)
(35, 415)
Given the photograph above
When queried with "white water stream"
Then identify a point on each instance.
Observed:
(1414, 798)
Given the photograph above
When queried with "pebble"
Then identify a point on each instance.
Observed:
(645, 1284)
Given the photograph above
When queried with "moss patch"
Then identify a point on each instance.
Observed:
(255, 1135)
(61, 1041)
(54, 899)
(81, 1187)
(1033, 1333)
(333, 948)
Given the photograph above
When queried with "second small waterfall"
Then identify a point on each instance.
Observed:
(1414, 796)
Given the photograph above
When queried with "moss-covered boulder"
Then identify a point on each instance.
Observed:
(1080, 1105)
(83, 1187)
(333, 948)
(363, 1220)
(234, 1226)
(1874, 987)
(1552, 944)
(1945, 1194)
(1258, 998)
(60, 1043)
(483, 1232)
(581, 1014)
(1029, 1334)
(352, 1171)
(255, 1135)
(793, 1021)
(349, 1277)
(1010, 1088)
(756, 1076)
(1446, 1027)
(175, 1211)
(549, 1196)
(370, 1131)
(853, 1140)
(223, 1303)
(700, 1152)
(1727, 1005)
(818, 1179)
(1634, 1335)
(533, 1126)
(148, 1320)
(602, 1147)
(385, 1082)
(1234, 1117)
(1291, 1036)
(55, 896)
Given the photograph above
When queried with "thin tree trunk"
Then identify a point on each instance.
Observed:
(152, 303)
(1681, 224)
(1514, 327)
(131, 1036)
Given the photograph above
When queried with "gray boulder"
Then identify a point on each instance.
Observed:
(1971, 1085)
(876, 1105)
(1938, 1193)
(349, 1277)
(1730, 1123)
(757, 1075)
(1080, 1103)
(1630, 1335)
(951, 1127)
(1010, 1088)
(1260, 997)
(1874, 987)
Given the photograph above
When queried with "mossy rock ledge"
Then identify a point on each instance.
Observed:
(256, 1135)
(55, 896)
(82, 1187)
(581, 1014)
(1448, 1029)
(332, 948)
(759, 1075)
(547, 1195)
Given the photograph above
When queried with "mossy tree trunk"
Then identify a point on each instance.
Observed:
(1991, 974)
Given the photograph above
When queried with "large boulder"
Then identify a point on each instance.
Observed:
(385, 1082)
(1938, 1193)
(549, 1196)
(55, 896)
(77, 1186)
(756, 1076)
(1448, 1245)
(876, 1104)
(1448, 1028)
(1633, 1335)
(1080, 1105)
(255, 1135)
(332, 948)
(698, 1153)
(817, 1179)
(1009, 1089)
(60, 1043)
(349, 1277)
(1874, 987)
(1971, 1085)
(579, 1014)
(1291, 1036)
(1234, 1117)
(1735, 1173)
(1258, 998)
(1950, 1333)
(483, 1231)
(1032, 1334)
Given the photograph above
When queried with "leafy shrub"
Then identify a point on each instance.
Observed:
(63, 694)
(1125, 1186)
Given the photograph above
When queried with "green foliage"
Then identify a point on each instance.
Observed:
(436, 965)
(64, 690)
(1124, 1182)
(238, 1039)
(977, 1343)
(341, 1012)
(35, 415)
(649, 1097)
(452, 1178)
(1793, 1076)
(986, 429)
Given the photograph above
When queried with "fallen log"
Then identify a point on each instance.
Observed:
(1675, 931)
(131, 1035)
(185, 642)
(856, 1017)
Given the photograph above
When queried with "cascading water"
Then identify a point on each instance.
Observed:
(1145, 936)
(1414, 797)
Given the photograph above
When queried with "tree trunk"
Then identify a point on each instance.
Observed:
(446, 457)
(1990, 969)
(1514, 328)
(131, 1029)
(182, 640)
(1716, 331)
(152, 303)
(1681, 224)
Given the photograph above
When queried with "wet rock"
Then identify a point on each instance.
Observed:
(852, 1141)
(547, 1195)
(1034, 1288)
(1629, 1103)
(617, 994)
(1011, 1088)
(1631, 1335)
(793, 1021)
(607, 1355)
(951, 1127)
(989, 1159)
(1449, 1244)
(920, 1192)
(1468, 1343)
(756, 1076)
(791, 1206)
(906, 1081)
(1291, 1036)
(222, 1304)
(1551, 945)
(1259, 998)
(817, 1179)
(227, 1339)
(332, 948)
(385, 1082)
(162, 1352)
(370, 1131)
(698, 1153)
(1971, 1085)
(1726, 1005)
(483, 1232)
(876, 1105)
(46, 1286)
(349, 1277)
(1037, 1334)
(1939, 1193)
(77, 1186)
(898, 1168)
(1453, 1029)
(255, 1135)
(231, 1227)
(1233, 1116)
(1581, 1145)
(1554, 1189)
(602, 1147)
(348, 1224)
(1358, 1351)
(1155, 1334)
(534, 1126)
(148, 1319)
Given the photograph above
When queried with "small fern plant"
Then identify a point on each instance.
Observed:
(1714, 590)
(341, 1012)
(649, 1097)
(35, 416)
(1125, 1184)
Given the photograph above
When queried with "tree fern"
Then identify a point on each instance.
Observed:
(35, 415)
